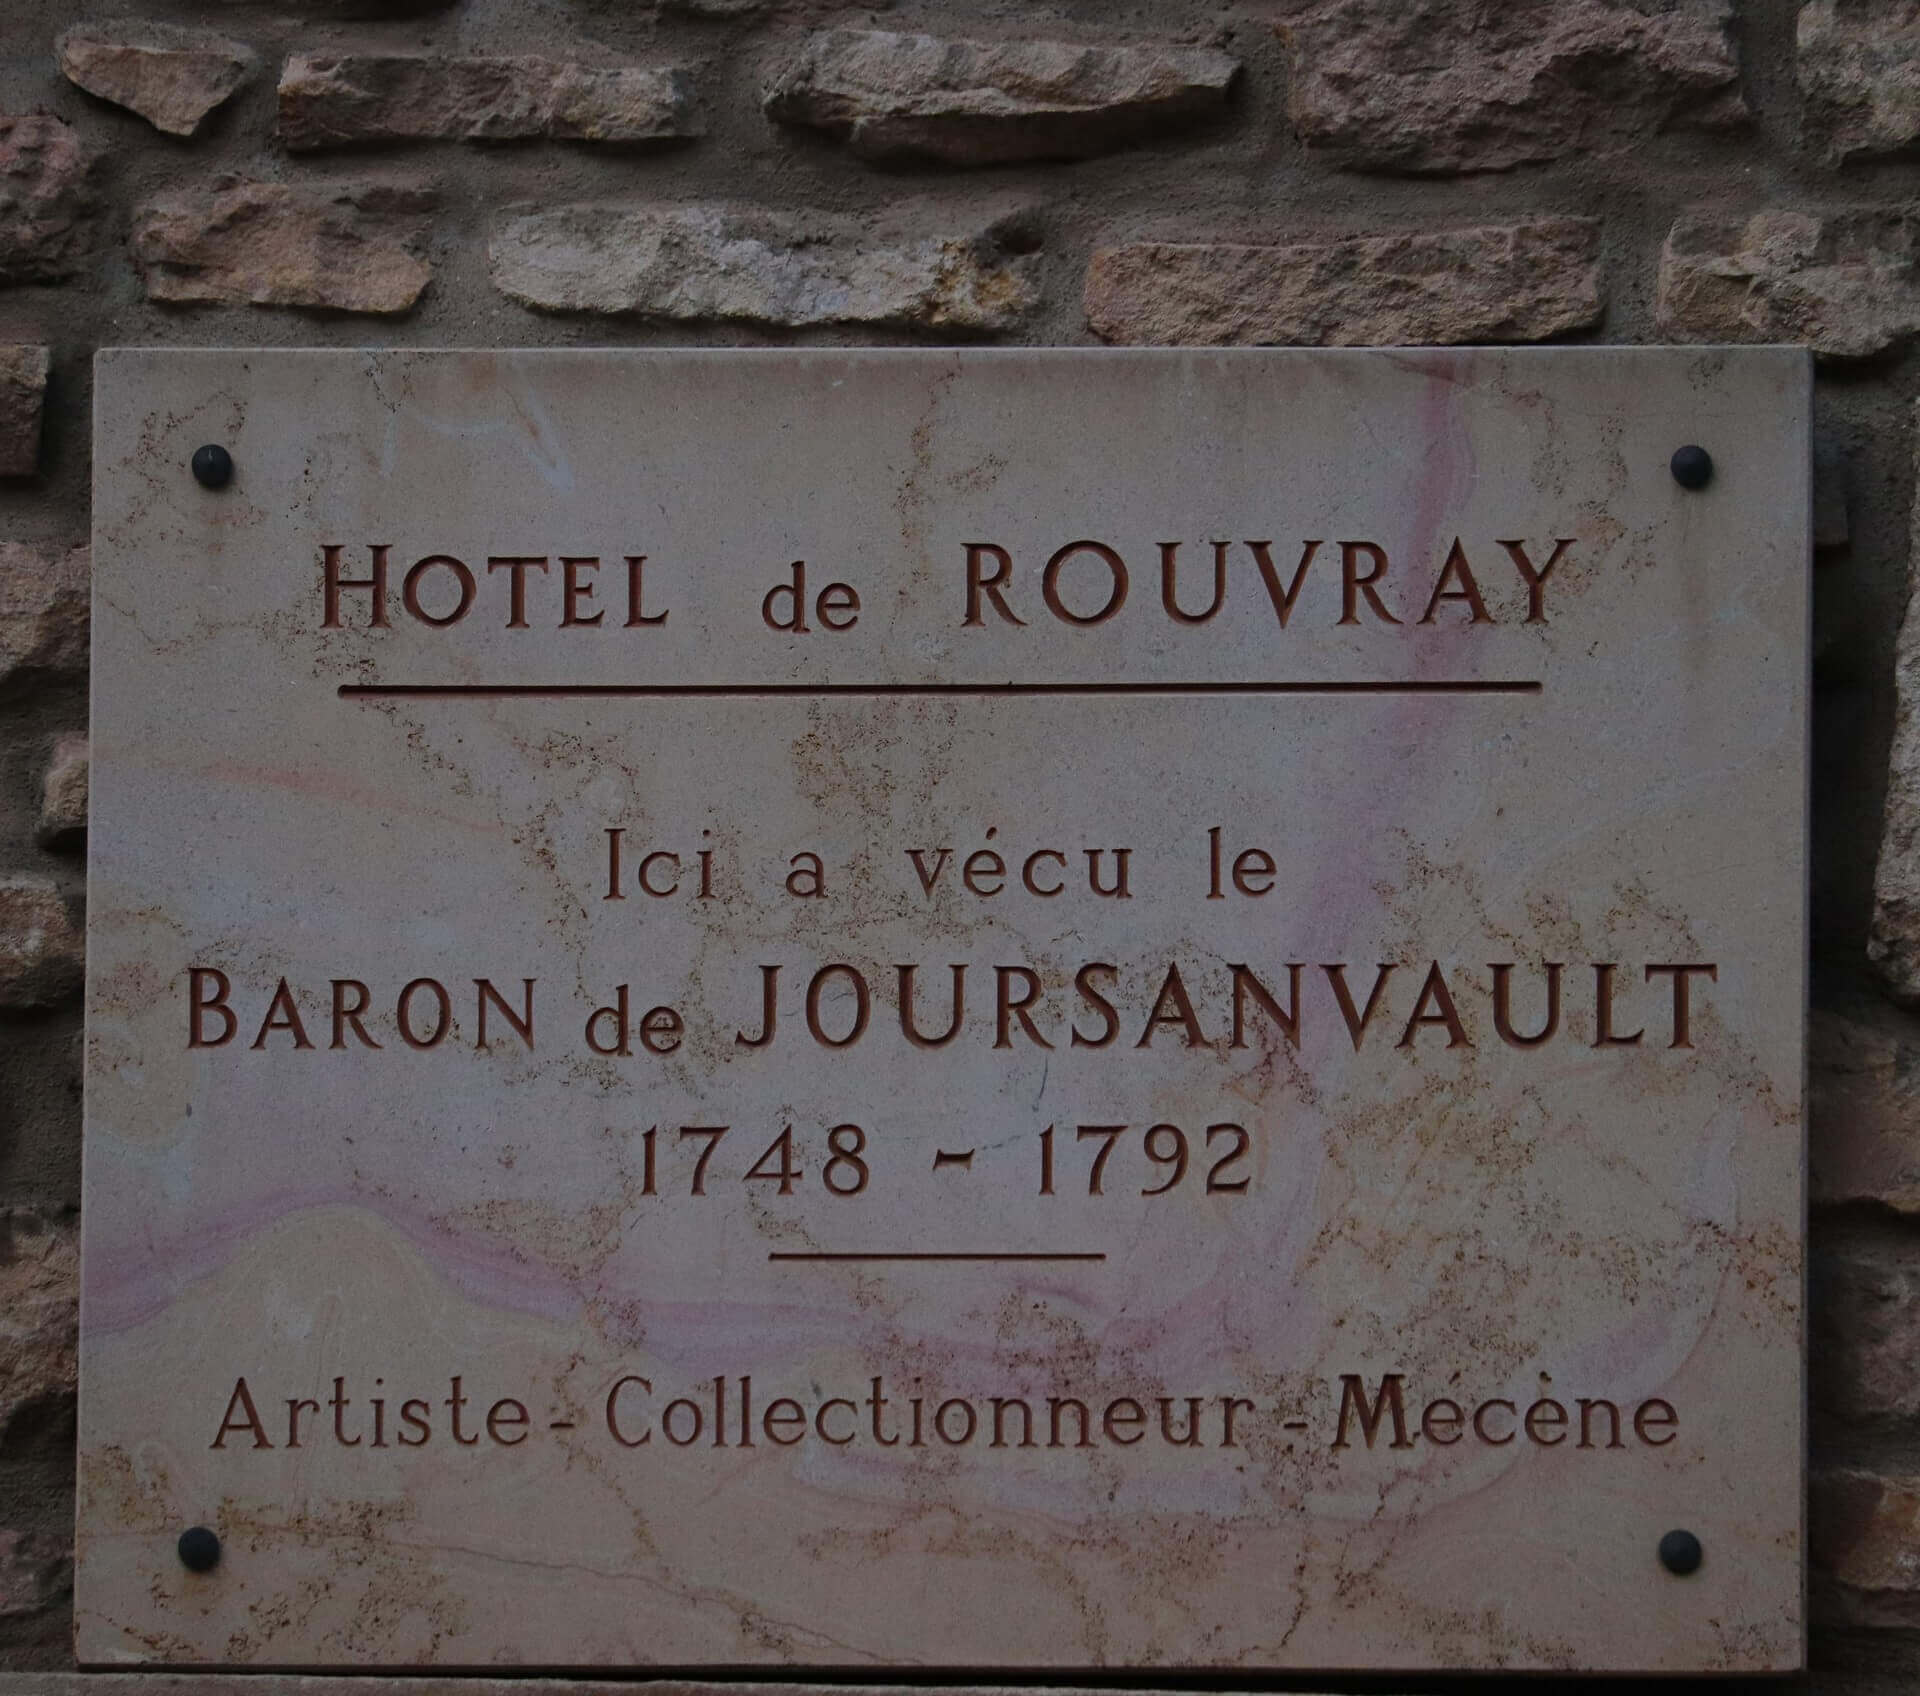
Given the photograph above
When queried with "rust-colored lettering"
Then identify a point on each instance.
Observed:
(862, 1006)
(1545, 1415)
(1445, 1013)
(405, 1019)
(1116, 583)
(517, 565)
(1000, 1405)
(1354, 582)
(661, 1029)
(507, 1414)
(637, 594)
(574, 594)
(1282, 599)
(1503, 1006)
(410, 590)
(241, 1415)
(613, 1413)
(769, 1010)
(1457, 572)
(1357, 1021)
(1682, 1010)
(1587, 1405)
(1658, 1414)
(1123, 1414)
(1057, 1407)
(1245, 983)
(199, 1004)
(1110, 1019)
(1387, 1401)
(282, 1015)
(1441, 1421)
(521, 1023)
(910, 1026)
(1603, 1036)
(988, 587)
(1480, 1421)
(334, 583)
(1007, 1008)
(837, 598)
(786, 1414)
(1536, 581)
(347, 1014)
(1169, 588)
(1172, 1007)
(966, 1431)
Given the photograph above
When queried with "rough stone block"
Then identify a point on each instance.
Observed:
(1864, 1545)
(39, 1313)
(63, 794)
(353, 247)
(1866, 1328)
(1456, 85)
(1859, 67)
(715, 263)
(372, 10)
(174, 78)
(1863, 1106)
(23, 395)
(42, 952)
(1843, 282)
(46, 199)
(891, 96)
(1506, 282)
(43, 613)
(36, 1570)
(338, 100)
(1893, 942)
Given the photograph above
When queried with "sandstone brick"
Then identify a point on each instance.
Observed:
(174, 78)
(335, 100)
(1458, 85)
(352, 247)
(1863, 1107)
(39, 1314)
(894, 96)
(1866, 1328)
(36, 1570)
(1859, 67)
(23, 395)
(47, 199)
(42, 952)
(1844, 282)
(63, 793)
(714, 263)
(1864, 1544)
(1508, 282)
(43, 613)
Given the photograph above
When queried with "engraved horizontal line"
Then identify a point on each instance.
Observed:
(929, 1254)
(761, 691)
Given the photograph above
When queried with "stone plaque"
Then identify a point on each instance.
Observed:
(926, 1009)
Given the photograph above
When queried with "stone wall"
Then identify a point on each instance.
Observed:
(746, 172)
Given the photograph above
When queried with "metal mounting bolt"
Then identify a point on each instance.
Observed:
(199, 1547)
(1680, 1553)
(212, 466)
(1692, 467)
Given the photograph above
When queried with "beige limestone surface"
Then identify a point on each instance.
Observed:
(1350, 1239)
